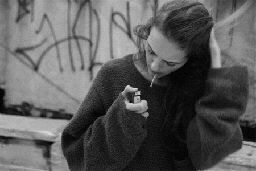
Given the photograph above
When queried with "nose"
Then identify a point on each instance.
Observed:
(155, 64)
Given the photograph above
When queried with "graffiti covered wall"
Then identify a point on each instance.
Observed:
(55, 48)
(52, 49)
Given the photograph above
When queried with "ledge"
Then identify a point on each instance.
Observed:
(243, 159)
(31, 128)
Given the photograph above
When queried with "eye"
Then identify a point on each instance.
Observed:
(170, 64)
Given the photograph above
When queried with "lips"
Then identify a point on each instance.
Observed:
(156, 73)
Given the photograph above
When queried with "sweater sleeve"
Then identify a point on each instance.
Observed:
(214, 132)
(99, 139)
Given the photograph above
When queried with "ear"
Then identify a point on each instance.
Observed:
(142, 45)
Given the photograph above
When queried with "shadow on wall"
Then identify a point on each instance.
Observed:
(2, 94)
(28, 109)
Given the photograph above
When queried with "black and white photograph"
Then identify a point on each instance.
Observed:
(127, 85)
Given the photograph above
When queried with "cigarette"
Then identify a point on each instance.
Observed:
(153, 80)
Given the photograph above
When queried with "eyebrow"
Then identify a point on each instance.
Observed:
(164, 60)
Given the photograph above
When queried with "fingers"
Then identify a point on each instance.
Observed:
(145, 114)
(140, 107)
(128, 89)
(213, 41)
(212, 35)
(215, 51)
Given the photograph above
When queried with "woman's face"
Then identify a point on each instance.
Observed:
(162, 55)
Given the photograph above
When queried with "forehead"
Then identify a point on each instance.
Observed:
(164, 48)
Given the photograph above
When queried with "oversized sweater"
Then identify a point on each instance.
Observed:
(104, 135)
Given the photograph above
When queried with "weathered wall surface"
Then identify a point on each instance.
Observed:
(55, 48)
(52, 49)
(236, 34)
(3, 40)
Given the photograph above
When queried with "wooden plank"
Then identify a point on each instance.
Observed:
(29, 154)
(242, 160)
(58, 161)
(244, 157)
(31, 128)
(17, 168)
(24, 153)
(26, 142)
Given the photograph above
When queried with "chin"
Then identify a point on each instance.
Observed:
(164, 76)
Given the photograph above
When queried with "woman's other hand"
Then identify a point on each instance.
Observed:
(215, 51)
(140, 108)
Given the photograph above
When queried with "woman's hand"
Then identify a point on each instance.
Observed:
(215, 51)
(140, 108)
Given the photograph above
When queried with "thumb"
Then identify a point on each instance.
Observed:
(128, 89)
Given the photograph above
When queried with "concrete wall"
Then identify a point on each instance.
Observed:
(3, 40)
(52, 49)
(55, 48)
(236, 34)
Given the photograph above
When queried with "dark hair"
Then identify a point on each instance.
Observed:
(189, 24)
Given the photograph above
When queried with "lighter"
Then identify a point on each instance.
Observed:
(135, 97)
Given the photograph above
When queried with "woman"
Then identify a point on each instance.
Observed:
(190, 108)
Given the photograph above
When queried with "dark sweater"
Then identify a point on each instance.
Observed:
(103, 135)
